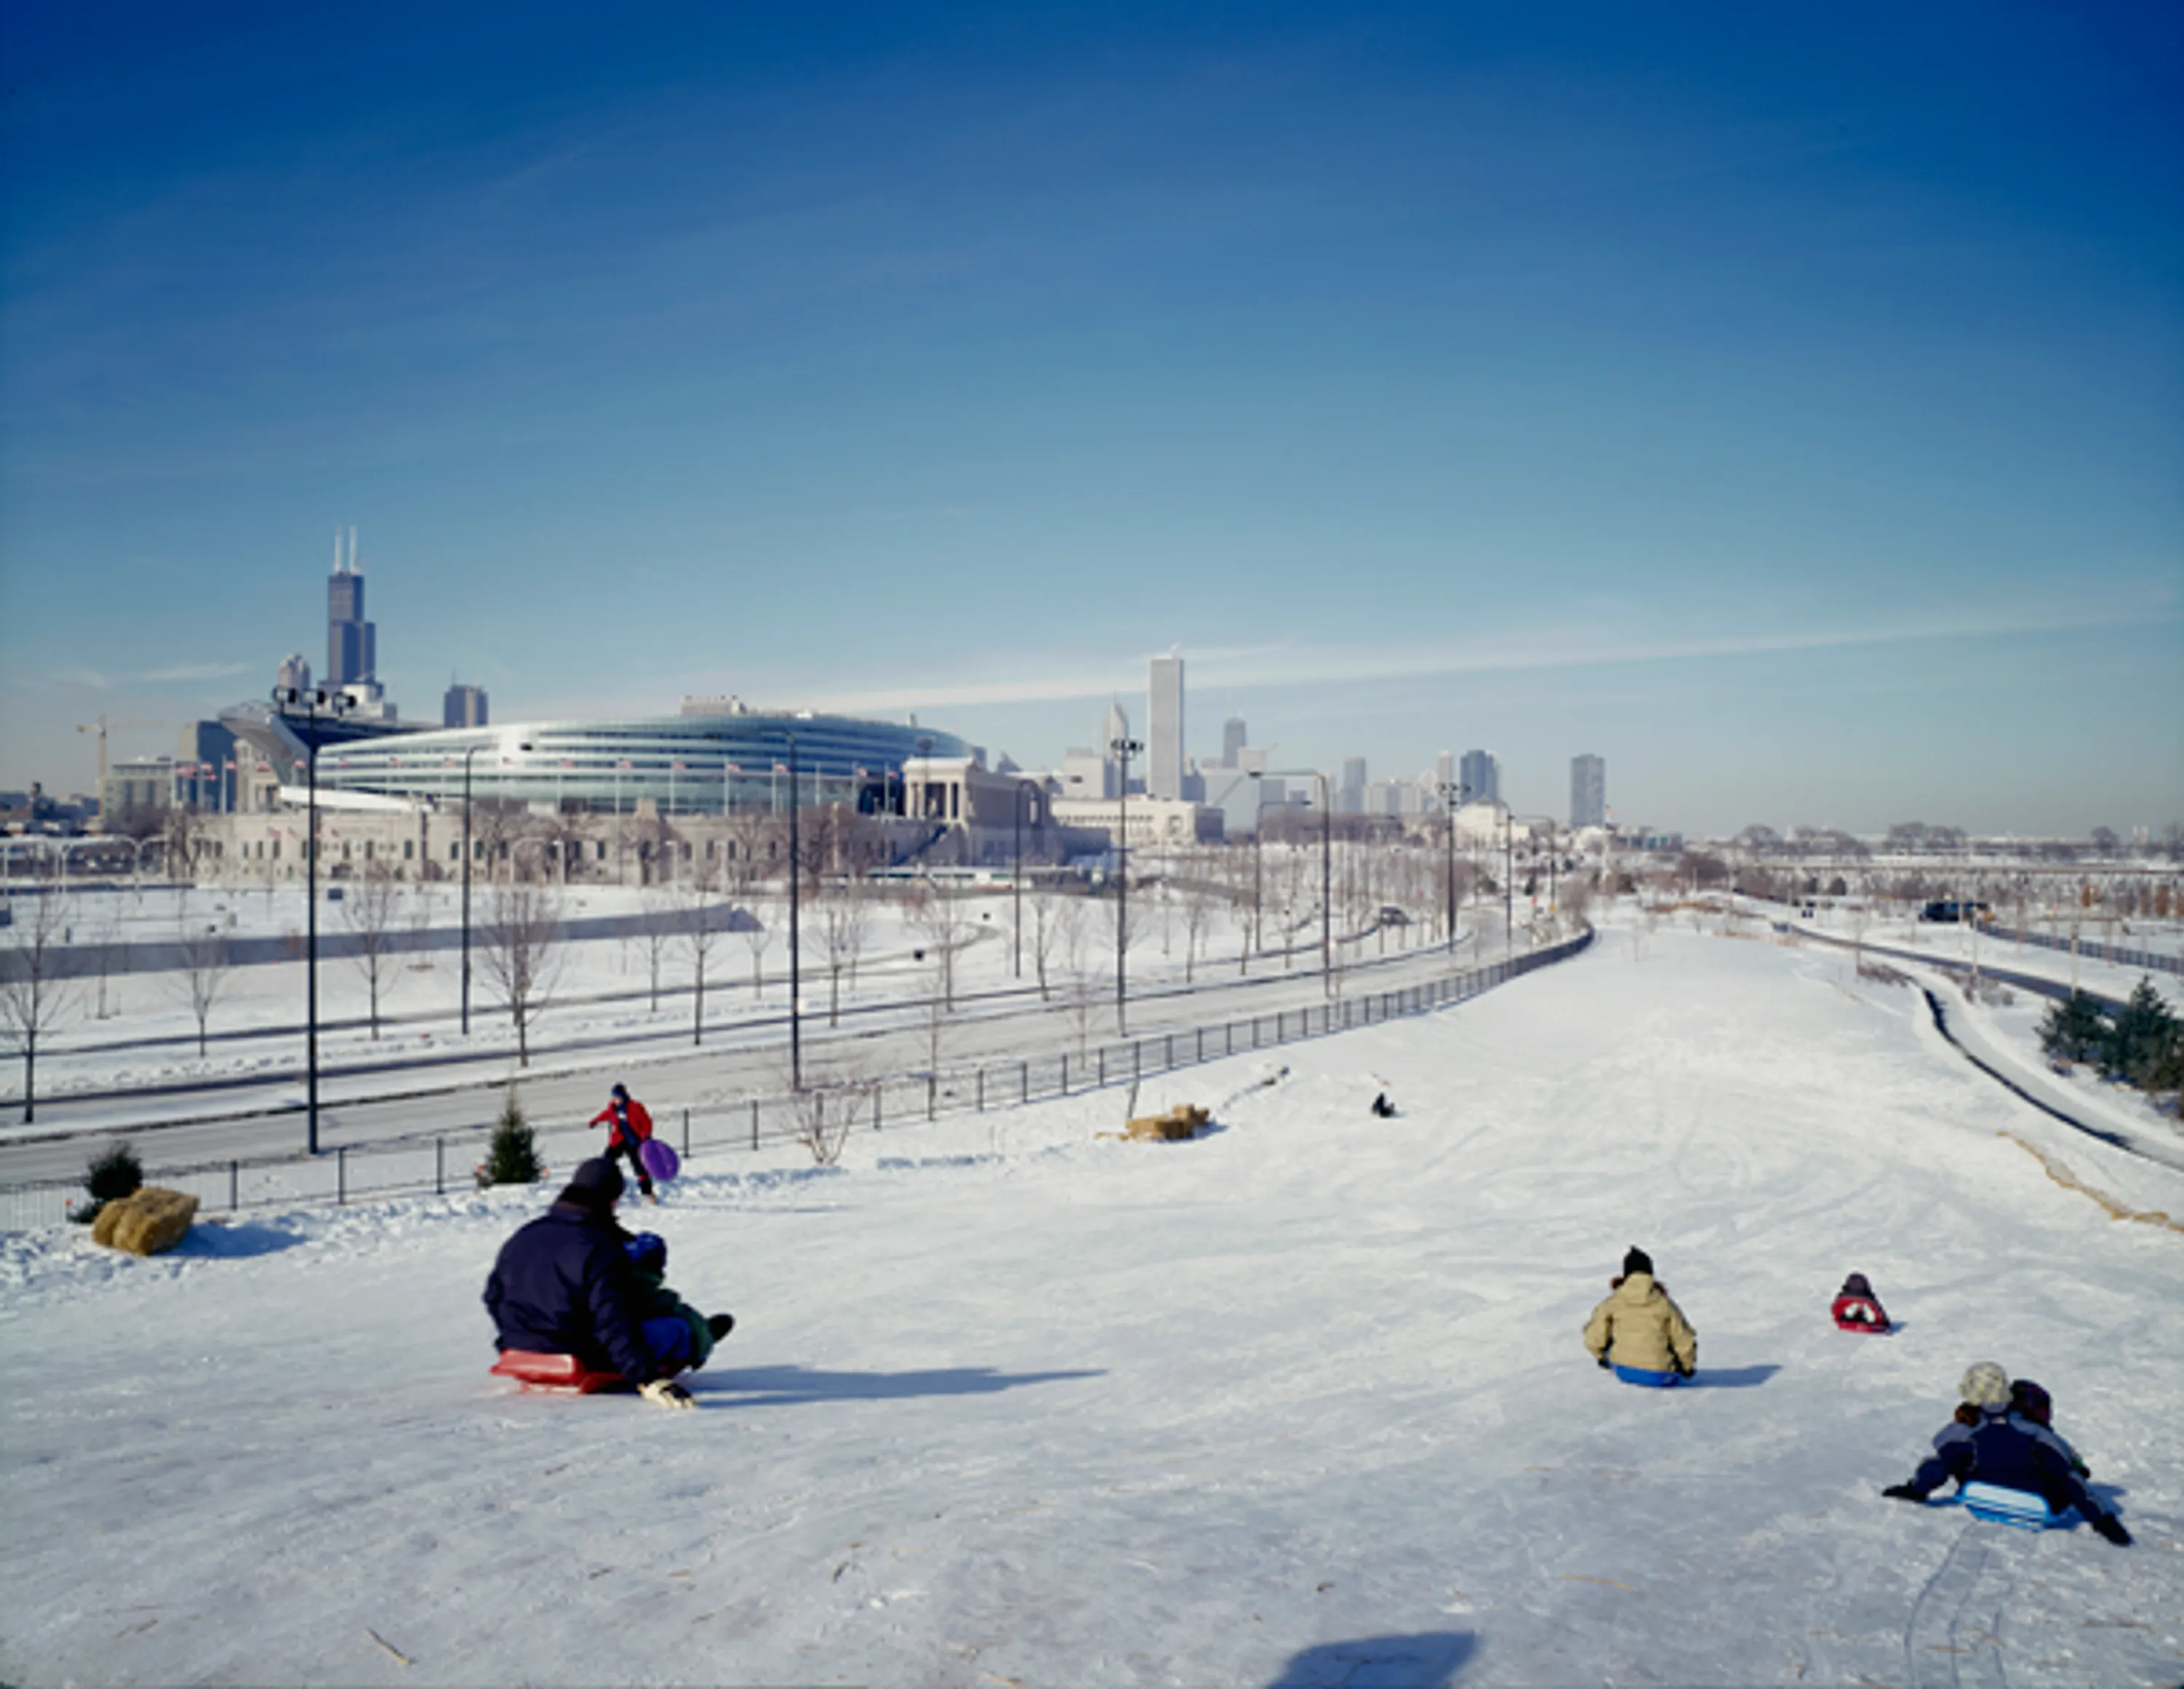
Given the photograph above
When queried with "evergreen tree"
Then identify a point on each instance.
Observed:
(2141, 1037)
(2075, 1029)
(513, 1156)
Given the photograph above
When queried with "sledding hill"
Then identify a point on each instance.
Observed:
(1300, 1401)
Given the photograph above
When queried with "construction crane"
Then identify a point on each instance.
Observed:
(101, 727)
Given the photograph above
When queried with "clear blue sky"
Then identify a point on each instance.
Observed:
(1786, 403)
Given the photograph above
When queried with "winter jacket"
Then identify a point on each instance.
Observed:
(632, 1127)
(564, 1287)
(1638, 1326)
(2007, 1450)
(1970, 1419)
(659, 1302)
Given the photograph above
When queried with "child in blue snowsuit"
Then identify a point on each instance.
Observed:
(679, 1334)
(1998, 1447)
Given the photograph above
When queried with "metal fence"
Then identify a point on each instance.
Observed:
(2122, 956)
(444, 1161)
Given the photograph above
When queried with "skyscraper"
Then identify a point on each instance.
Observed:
(351, 654)
(1482, 776)
(1164, 729)
(1445, 770)
(1349, 795)
(1232, 741)
(463, 707)
(1588, 790)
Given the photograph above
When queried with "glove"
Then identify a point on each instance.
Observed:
(2108, 1526)
(1904, 1492)
(1604, 1363)
(664, 1392)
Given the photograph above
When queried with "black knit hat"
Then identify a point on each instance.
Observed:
(1855, 1285)
(1637, 1260)
(596, 1184)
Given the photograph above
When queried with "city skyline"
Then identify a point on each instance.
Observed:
(1786, 410)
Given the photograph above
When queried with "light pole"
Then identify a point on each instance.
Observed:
(1024, 788)
(1452, 795)
(467, 755)
(1125, 748)
(323, 701)
(1326, 870)
(795, 973)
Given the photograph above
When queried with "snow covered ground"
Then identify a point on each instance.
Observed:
(1302, 1402)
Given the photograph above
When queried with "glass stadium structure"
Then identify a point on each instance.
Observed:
(685, 765)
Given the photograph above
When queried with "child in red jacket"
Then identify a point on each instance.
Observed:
(1855, 1308)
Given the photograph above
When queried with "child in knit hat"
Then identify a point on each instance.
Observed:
(1997, 1447)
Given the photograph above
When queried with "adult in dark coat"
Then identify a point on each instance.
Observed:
(564, 1285)
(1997, 1448)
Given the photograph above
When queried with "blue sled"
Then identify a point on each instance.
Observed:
(1648, 1381)
(2020, 1508)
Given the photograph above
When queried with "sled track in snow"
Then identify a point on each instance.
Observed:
(1953, 1638)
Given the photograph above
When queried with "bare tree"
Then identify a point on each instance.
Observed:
(371, 907)
(844, 920)
(656, 920)
(206, 964)
(757, 935)
(1049, 910)
(824, 1111)
(704, 919)
(521, 954)
(35, 970)
(1198, 893)
(947, 927)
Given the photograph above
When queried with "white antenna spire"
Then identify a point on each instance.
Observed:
(337, 551)
(352, 548)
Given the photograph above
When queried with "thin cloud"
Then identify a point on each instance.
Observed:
(186, 672)
(1528, 650)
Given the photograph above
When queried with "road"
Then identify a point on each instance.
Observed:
(746, 1058)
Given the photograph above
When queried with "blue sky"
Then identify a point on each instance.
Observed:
(1785, 403)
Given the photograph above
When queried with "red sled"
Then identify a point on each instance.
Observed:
(563, 1373)
(1859, 1313)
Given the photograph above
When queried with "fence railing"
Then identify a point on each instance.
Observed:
(449, 1161)
(2122, 956)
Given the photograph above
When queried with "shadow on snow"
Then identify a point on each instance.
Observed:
(792, 1385)
(1426, 1661)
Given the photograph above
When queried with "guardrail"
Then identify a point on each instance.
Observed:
(438, 1162)
(2122, 956)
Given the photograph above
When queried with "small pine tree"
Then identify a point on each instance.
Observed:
(2075, 1029)
(112, 1175)
(2142, 1035)
(513, 1156)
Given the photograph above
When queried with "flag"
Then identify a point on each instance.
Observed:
(732, 768)
(780, 768)
(678, 766)
(625, 763)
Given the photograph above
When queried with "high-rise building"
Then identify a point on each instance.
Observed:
(204, 770)
(1588, 790)
(1232, 741)
(1164, 729)
(1482, 777)
(294, 674)
(463, 707)
(1445, 770)
(1349, 795)
(352, 655)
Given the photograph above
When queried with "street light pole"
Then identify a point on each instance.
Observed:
(1124, 748)
(467, 755)
(1022, 789)
(1451, 797)
(795, 971)
(330, 702)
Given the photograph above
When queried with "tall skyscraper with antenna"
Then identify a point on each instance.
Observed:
(351, 642)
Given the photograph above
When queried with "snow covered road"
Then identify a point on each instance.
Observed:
(1302, 1402)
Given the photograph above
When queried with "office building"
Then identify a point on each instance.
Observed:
(294, 674)
(351, 653)
(1164, 765)
(1350, 793)
(1482, 777)
(1445, 770)
(465, 707)
(1588, 790)
(1233, 740)
(204, 766)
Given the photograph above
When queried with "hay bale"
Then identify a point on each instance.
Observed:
(1178, 1123)
(146, 1222)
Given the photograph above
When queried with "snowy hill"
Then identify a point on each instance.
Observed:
(1302, 1401)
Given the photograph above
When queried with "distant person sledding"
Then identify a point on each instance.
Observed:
(1382, 1108)
(2006, 1469)
(1855, 1308)
(629, 1130)
(1638, 1332)
(568, 1309)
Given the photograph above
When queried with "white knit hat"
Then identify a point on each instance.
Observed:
(1986, 1385)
